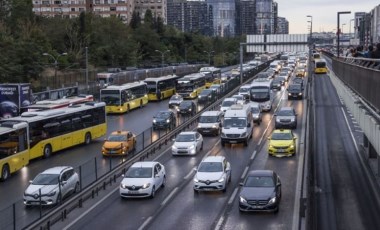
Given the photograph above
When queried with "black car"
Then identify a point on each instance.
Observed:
(187, 108)
(164, 120)
(276, 84)
(207, 96)
(295, 91)
(298, 80)
(175, 100)
(261, 191)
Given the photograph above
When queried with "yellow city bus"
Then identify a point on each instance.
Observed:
(41, 133)
(124, 98)
(320, 66)
(190, 86)
(213, 75)
(161, 87)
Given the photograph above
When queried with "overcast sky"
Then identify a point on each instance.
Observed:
(324, 13)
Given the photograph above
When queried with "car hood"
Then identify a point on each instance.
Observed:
(257, 193)
(183, 144)
(175, 101)
(45, 189)
(281, 143)
(160, 118)
(136, 181)
(285, 117)
(112, 144)
(294, 90)
(185, 107)
(209, 175)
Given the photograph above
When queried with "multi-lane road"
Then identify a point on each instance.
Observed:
(345, 196)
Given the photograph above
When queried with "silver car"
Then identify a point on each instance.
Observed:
(187, 143)
(256, 113)
(286, 117)
(51, 186)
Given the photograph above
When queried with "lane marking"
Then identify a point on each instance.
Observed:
(146, 222)
(189, 174)
(245, 172)
(232, 198)
(169, 197)
(156, 158)
(219, 224)
(253, 155)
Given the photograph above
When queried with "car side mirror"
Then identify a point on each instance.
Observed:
(30, 181)
(173, 139)
(241, 183)
(249, 125)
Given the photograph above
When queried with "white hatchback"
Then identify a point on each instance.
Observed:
(143, 179)
(226, 104)
(213, 174)
(51, 186)
(187, 143)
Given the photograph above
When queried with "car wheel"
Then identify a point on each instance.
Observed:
(87, 138)
(47, 151)
(5, 173)
(225, 188)
(277, 209)
(196, 192)
(163, 182)
(153, 193)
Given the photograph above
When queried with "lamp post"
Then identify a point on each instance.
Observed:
(162, 58)
(338, 30)
(311, 26)
(87, 86)
(55, 63)
(209, 55)
(350, 28)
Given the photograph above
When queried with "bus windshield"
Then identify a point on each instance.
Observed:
(260, 94)
(320, 64)
(110, 97)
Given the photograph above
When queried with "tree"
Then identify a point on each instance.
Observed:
(135, 20)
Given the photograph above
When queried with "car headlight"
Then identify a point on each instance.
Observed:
(271, 146)
(196, 179)
(291, 146)
(154, 121)
(199, 126)
(124, 186)
(214, 126)
(289, 94)
(221, 179)
(243, 134)
(51, 193)
(191, 147)
(174, 147)
(167, 121)
(199, 96)
(277, 120)
(242, 199)
(189, 109)
(272, 201)
(223, 134)
(146, 185)
(300, 94)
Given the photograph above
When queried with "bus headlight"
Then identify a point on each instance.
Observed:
(167, 121)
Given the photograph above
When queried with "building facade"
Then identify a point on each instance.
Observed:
(265, 16)
(158, 8)
(223, 17)
(375, 27)
(245, 16)
(191, 16)
(282, 26)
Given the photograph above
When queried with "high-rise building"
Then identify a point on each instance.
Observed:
(245, 16)
(375, 27)
(223, 17)
(282, 26)
(265, 17)
(190, 16)
(158, 8)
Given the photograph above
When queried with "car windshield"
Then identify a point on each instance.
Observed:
(117, 138)
(282, 136)
(139, 172)
(285, 113)
(234, 122)
(227, 103)
(255, 110)
(162, 115)
(243, 90)
(46, 179)
(210, 167)
(259, 181)
(239, 97)
(185, 138)
(298, 80)
(295, 86)
(185, 104)
(208, 119)
(205, 92)
(175, 98)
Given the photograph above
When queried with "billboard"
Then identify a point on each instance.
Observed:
(14, 97)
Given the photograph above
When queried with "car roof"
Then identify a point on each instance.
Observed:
(56, 170)
(119, 132)
(286, 108)
(187, 132)
(260, 173)
(282, 131)
(211, 113)
(213, 159)
(215, 85)
(230, 99)
(144, 164)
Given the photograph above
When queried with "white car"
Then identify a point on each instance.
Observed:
(51, 186)
(239, 99)
(187, 143)
(175, 100)
(213, 174)
(143, 179)
(226, 104)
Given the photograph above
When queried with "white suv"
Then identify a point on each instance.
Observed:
(213, 174)
(51, 186)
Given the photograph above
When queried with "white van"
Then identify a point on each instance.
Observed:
(237, 125)
(210, 123)
(244, 90)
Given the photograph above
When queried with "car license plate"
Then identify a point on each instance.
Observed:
(133, 192)
(233, 142)
(257, 207)
(281, 150)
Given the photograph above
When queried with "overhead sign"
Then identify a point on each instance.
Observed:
(277, 43)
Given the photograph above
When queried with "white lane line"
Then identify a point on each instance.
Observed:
(219, 224)
(170, 196)
(245, 172)
(253, 155)
(189, 174)
(261, 139)
(90, 209)
(155, 159)
(145, 223)
(232, 198)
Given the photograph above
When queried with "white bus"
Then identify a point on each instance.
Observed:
(261, 92)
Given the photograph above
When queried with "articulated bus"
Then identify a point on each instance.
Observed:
(213, 75)
(320, 66)
(190, 86)
(161, 87)
(59, 103)
(124, 98)
(41, 133)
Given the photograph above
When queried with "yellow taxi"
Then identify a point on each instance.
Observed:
(281, 143)
(119, 143)
(300, 72)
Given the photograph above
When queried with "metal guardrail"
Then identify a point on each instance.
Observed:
(60, 213)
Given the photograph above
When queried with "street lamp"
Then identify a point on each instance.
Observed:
(350, 27)
(338, 30)
(311, 26)
(162, 58)
(55, 63)
(343, 24)
(209, 55)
